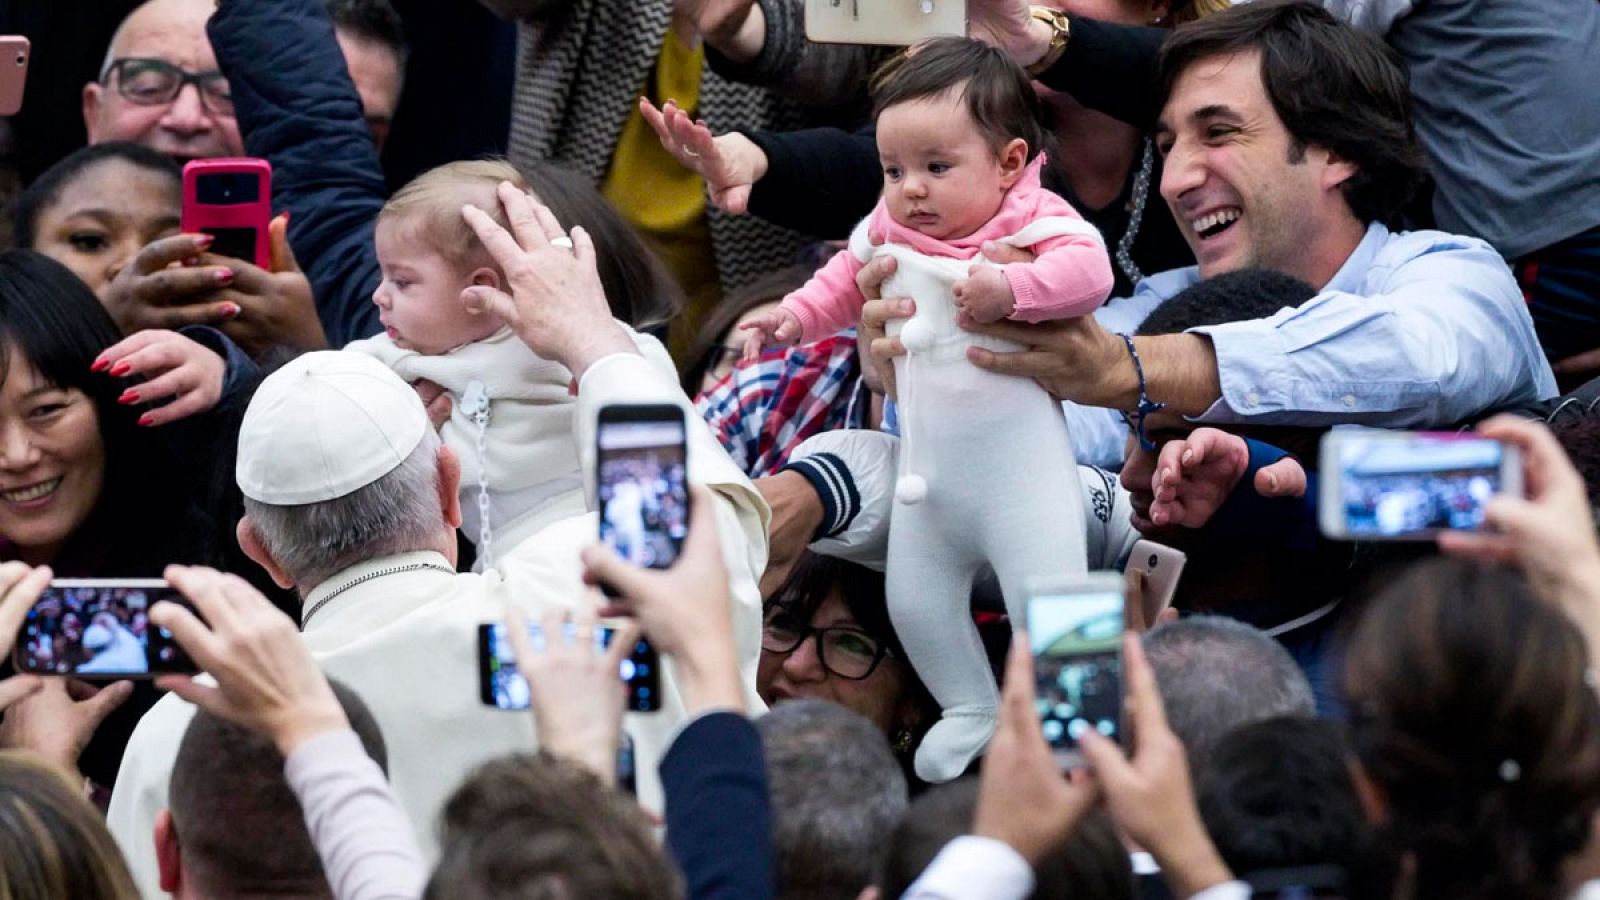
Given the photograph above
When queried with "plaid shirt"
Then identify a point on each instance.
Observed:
(765, 407)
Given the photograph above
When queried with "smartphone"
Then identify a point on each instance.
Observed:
(1410, 485)
(1161, 566)
(501, 685)
(100, 630)
(1075, 630)
(894, 23)
(14, 49)
(643, 482)
(231, 200)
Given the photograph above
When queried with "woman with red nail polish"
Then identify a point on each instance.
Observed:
(83, 487)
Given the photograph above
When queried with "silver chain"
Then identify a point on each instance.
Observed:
(1141, 192)
(475, 403)
(393, 570)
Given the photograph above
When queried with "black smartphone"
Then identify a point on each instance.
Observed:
(643, 485)
(500, 684)
(100, 630)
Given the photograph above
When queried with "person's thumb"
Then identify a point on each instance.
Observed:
(1284, 478)
(1105, 760)
(735, 201)
(495, 302)
(278, 239)
(109, 698)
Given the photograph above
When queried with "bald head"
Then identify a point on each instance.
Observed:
(189, 125)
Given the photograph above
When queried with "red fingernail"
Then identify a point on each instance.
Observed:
(147, 419)
(204, 240)
(224, 276)
(285, 215)
(129, 396)
(121, 369)
(230, 310)
(100, 365)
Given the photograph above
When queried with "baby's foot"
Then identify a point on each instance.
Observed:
(954, 742)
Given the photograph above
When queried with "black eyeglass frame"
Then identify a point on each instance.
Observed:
(810, 632)
(200, 80)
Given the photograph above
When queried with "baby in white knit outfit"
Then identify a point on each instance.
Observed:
(524, 450)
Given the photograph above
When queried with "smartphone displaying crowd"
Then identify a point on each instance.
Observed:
(1384, 485)
(502, 686)
(1075, 634)
(99, 629)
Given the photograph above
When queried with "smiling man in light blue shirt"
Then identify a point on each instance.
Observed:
(1410, 330)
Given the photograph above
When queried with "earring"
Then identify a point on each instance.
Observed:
(1156, 20)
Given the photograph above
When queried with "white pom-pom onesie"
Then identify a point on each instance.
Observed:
(987, 471)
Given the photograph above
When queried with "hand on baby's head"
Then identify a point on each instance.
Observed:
(985, 295)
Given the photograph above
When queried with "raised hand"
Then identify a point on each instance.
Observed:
(176, 367)
(731, 164)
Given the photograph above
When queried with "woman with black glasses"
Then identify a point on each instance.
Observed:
(827, 636)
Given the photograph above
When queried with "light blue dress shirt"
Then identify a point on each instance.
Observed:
(1417, 329)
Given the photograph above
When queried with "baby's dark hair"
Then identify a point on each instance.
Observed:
(998, 94)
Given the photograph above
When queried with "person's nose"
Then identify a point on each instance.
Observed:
(1182, 171)
(803, 664)
(17, 449)
(1138, 470)
(915, 187)
(187, 113)
(381, 295)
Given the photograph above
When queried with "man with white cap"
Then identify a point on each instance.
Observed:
(351, 498)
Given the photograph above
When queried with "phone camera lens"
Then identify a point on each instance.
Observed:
(1153, 559)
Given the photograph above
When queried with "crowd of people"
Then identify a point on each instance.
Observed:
(944, 324)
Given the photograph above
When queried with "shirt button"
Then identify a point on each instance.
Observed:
(1252, 398)
(1349, 399)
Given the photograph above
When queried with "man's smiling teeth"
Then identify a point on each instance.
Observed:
(23, 495)
(1219, 218)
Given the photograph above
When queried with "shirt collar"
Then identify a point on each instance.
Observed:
(373, 569)
(1353, 274)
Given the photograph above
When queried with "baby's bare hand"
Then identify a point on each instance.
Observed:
(985, 296)
(776, 328)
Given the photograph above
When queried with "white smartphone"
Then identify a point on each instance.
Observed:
(894, 23)
(1410, 485)
(1161, 567)
(1075, 630)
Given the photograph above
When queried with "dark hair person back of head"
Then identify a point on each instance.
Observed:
(1333, 86)
(998, 94)
(1217, 674)
(1277, 794)
(1091, 864)
(836, 795)
(1474, 714)
(240, 827)
(371, 20)
(53, 844)
(534, 826)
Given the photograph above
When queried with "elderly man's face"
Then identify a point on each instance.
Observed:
(1244, 192)
(189, 125)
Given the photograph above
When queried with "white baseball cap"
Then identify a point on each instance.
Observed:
(326, 424)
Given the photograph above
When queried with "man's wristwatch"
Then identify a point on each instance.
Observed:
(1060, 33)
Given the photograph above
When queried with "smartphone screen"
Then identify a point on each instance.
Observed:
(94, 629)
(643, 483)
(501, 685)
(1075, 633)
(1398, 485)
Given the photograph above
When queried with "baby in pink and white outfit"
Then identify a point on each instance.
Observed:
(987, 470)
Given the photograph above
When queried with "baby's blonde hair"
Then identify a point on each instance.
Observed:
(429, 207)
